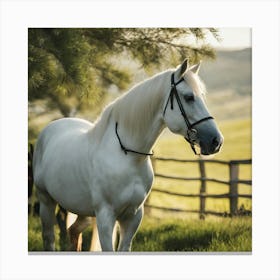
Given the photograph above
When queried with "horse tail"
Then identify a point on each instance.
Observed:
(30, 176)
(30, 170)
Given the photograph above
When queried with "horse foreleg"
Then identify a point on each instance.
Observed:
(95, 242)
(128, 227)
(75, 232)
(105, 224)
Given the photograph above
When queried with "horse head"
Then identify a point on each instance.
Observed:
(187, 114)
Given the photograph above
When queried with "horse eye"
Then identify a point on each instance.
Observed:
(189, 98)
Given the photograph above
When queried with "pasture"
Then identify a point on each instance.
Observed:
(168, 231)
(173, 235)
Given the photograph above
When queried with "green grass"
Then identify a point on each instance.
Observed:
(230, 235)
(172, 235)
(35, 242)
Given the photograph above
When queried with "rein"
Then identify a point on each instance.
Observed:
(191, 132)
(125, 150)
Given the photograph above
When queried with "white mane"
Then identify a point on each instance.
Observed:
(136, 109)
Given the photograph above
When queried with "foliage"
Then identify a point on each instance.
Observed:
(69, 68)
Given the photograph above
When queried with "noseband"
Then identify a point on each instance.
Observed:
(191, 132)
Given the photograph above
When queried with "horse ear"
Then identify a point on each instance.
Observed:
(182, 69)
(195, 68)
(184, 66)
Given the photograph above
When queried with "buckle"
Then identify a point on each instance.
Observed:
(192, 135)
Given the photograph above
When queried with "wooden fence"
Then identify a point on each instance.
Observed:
(232, 194)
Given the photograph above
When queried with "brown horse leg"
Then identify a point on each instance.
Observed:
(75, 232)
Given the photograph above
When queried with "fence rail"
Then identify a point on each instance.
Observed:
(233, 183)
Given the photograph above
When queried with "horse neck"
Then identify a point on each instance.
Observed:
(139, 113)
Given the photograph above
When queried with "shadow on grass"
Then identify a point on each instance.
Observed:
(173, 238)
(190, 242)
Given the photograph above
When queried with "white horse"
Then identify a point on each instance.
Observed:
(103, 170)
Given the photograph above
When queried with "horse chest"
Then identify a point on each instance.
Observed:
(124, 187)
(130, 197)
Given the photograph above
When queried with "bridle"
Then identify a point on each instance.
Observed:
(191, 132)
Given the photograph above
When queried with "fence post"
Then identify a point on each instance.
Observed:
(233, 187)
(202, 191)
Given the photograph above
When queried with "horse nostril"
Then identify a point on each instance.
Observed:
(215, 142)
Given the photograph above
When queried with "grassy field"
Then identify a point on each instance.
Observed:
(193, 235)
(168, 231)
(173, 235)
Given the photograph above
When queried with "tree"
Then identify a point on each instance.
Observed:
(69, 68)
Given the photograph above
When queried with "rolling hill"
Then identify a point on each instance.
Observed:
(229, 84)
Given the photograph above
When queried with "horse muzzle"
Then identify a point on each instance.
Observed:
(211, 147)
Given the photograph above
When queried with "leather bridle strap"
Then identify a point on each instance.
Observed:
(125, 150)
(173, 89)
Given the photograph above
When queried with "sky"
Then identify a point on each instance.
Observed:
(233, 38)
